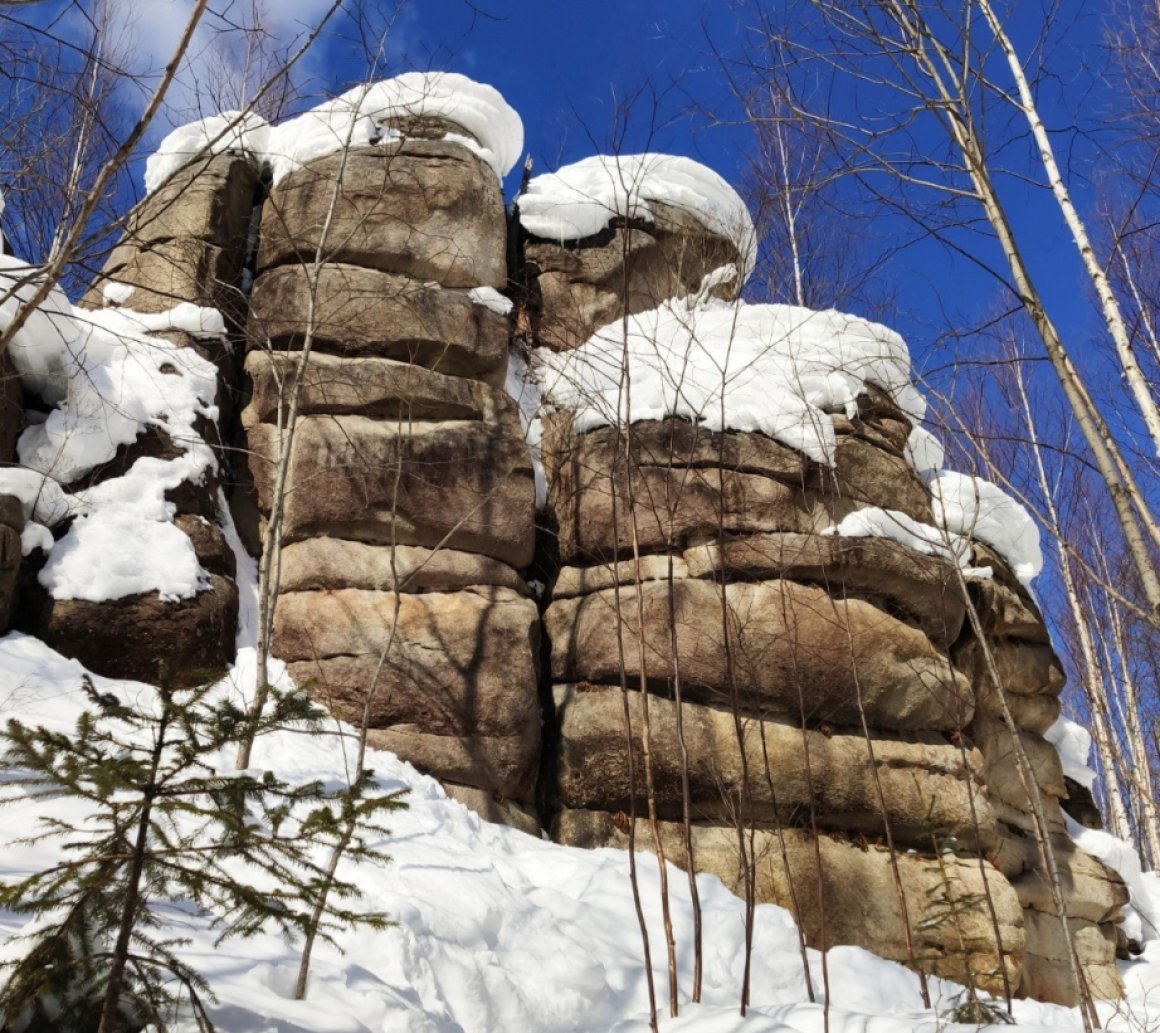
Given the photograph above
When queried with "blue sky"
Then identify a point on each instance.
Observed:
(636, 74)
(569, 68)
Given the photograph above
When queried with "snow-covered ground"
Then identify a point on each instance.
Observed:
(497, 930)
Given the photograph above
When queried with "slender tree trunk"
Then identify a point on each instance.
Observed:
(1109, 306)
(111, 1019)
(1093, 682)
(1040, 827)
(1142, 781)
(1131, 508)
(630, 750)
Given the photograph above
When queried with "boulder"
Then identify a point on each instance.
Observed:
(1032, 713)
(790, 648)
(502, 764)
(382, 389)
(1092, 892)
(428, 208)
(142, 637)
(361, 312)
(210, 545)
(1008, 611)
(1005, 780)
(1024, 668)
(879, 421)
(211, 199)
(167, 273)
(455, 675)
(323, 564)
(922, 589)
(11, 525)
(856, 899)
(925, 786)
(187, 240)
(582, 285)
(461, 484)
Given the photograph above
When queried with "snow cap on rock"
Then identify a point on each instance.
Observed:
(579, 200)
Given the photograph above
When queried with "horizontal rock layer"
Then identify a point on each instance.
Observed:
(855, 900)
(428, 208)
(792, 652)
(920, 789)
(450, 676)
(461, 484)
(359, 312)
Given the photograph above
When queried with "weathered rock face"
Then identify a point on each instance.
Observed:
(463, 484)
(453, 669)
(784, 649)
(844, 892)
(143, 637)
(774, 774)
(579, 286)
(829, 688)
(360, 312)
(187, 240)
(407, 507)
(827, 692)
(427, 209)
(1030, 677)
(185, 243)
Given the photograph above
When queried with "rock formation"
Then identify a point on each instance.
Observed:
(824, 690)
(408, 498)
(702, 618)
(184, 244)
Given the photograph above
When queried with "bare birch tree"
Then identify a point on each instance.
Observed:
(949, 72)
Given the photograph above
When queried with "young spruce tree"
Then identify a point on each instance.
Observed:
(167, 824)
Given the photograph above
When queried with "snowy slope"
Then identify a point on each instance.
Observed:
(500, 931)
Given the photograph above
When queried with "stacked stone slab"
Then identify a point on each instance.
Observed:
(186, 242)
(579, 286)
(408, 499)
(826, 696)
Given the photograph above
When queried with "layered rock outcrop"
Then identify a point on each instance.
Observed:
(771, 674)
(706, 616)
(183, 254)
(407, 505)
